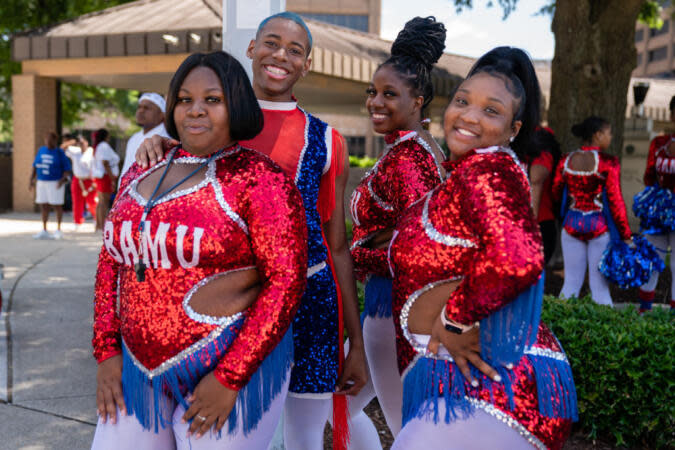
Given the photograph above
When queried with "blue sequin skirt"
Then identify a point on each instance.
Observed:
(151, 395)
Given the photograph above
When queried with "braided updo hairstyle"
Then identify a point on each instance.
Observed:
(418, 46)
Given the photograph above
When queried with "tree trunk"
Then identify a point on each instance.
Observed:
(594, 57)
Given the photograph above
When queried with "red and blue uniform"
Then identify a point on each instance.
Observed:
(244, 214)
(477, 228)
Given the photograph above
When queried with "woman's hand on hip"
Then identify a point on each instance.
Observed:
(211, 404)
(464, 349)
(109, 397)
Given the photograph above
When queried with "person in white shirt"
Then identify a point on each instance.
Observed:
(150, 117)
(105, 173)
(82, 188)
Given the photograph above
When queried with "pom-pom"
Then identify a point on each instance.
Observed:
(630, 266)
(655, 207)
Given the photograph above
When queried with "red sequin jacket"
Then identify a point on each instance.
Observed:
(660, 164)
(245, 213)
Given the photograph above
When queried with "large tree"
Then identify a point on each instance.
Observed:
(593, 60)
(17, 16)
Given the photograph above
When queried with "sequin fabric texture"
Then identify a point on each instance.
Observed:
(245, 213)
(660, 164)
(477, 227)
(584, 192)
(406, 171)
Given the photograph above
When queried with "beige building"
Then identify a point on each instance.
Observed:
(360, 15)
(656, 48)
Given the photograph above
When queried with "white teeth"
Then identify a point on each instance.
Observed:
(277, 70)
(378, 116)
(466, 132)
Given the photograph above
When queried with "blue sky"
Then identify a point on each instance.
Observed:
(475, 31)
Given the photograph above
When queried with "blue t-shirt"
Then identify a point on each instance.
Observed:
(51, 163)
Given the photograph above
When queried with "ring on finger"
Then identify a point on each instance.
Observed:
(202, 418)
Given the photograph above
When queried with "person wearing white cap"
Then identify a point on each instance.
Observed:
(150, 117)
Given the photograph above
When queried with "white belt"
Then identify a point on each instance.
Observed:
(316, 268)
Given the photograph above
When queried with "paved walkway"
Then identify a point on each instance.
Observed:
(47, 373)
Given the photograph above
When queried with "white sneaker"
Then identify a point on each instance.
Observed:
(42, 235)
(57, 235)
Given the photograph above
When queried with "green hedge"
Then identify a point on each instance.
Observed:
(361, 161)
(623, 368)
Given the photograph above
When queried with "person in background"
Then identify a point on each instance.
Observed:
(591, 179)
(82, 188)
(150, 117)
(51, 171)
(540, 171)
(660, 175)
(106, 170)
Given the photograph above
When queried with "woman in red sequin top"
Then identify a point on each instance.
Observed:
(470, 252)
(205, 254)
(592, 180)
(411, 166)
(660, 174)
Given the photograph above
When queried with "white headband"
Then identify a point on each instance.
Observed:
(154, 98)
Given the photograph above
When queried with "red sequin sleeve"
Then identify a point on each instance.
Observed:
(405, 174)
(495, 208)
(107, 340)
(278, 236)
(614, 196)
(650, 170)
(558, 181)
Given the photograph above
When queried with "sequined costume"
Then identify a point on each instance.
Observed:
(478, 228)
(407, 170)
(244, 214)
(311, 152)
(585, 216)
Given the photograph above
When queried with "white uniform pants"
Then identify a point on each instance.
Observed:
(577, 255)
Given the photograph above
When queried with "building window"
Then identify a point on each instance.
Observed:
(639, 35)
(356, 145)
(639, 59)
(359, 23)
(658, 54)
(658, 31)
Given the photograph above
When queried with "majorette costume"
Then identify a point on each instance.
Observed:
(312, 154)
(655, 206)
(244, 214)
(478, 228)
(407, 170)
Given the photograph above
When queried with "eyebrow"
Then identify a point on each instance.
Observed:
(276, 36)
(494, 99)
(211, 89)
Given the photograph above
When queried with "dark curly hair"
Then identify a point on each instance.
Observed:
(418, 46)
(586, 129)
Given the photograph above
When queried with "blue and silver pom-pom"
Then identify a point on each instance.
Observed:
(655, 207)
(630, 266)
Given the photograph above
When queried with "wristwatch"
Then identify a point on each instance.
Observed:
(456, 327)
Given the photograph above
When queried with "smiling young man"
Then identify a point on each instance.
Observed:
(315, 156)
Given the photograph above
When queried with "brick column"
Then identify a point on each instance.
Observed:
(34, 113)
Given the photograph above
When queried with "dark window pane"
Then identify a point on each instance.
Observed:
(354, 22)
(639, 35)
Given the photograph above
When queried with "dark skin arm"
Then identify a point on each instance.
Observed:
(354, 374)
(31, 182)
(538, 175)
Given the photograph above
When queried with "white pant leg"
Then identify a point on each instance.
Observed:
(304, 421)
(257, 439)
(671, 243)
(575, 258)
(128, 434)
(480, 431)
(379, 336)
(661, 242)
(596, 280)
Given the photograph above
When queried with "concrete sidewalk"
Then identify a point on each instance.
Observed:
(47, 372)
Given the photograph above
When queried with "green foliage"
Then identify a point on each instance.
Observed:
(650, 14)
(361, 161)
(20, 16)
(623, 367)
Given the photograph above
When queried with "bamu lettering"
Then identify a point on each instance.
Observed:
(154, 239)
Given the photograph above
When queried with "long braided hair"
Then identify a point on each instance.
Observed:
(418, 46)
